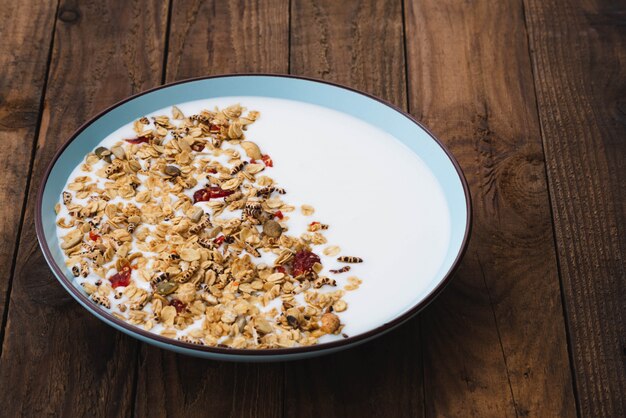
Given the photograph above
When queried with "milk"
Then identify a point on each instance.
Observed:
(380, 199)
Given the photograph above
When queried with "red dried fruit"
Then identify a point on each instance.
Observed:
(252, 161)
(121, 278)
(219, 240)
(93, 236)
(214, 129)
(279, 214)
(303, 262)
(212, 170)
(211, 192)
(201, 195)
(139, 140)
(178, 305)
(280, 269)
(267, 160)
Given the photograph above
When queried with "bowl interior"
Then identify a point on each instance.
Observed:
(340, 99)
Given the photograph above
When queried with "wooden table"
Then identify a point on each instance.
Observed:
(528, 94)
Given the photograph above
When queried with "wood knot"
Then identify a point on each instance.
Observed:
(522, 177)
(69, 15)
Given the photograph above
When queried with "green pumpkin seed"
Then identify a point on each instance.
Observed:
(165, 288)
(103, 153)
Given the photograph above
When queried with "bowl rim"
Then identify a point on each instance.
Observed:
(259, 353)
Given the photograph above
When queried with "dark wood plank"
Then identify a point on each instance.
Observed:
(213, 38)
(57, 359)
(359, 44)
(579, 58)
(495, 342)
(26, 33)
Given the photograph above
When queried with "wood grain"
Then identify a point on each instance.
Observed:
(212, 38)
(26, 33)
(63, 360)
(579, 57)
(358, 44)
(495, 343)
(215, 37)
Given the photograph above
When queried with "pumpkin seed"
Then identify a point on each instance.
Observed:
(103, 153)
(171, 170)
(165, 288)
(272, 229)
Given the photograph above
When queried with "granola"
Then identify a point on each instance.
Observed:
(181, 231)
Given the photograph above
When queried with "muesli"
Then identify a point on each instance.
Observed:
(181, 230)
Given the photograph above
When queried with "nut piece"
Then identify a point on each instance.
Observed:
(195, 213)
(272, 229)
(171, 170)
(119, 152)
(330, 323)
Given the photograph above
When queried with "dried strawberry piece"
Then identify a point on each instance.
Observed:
(139, 140)
(211, 192)
(93, 236)
(219, 240)
(201, 195)
(252, 161)
(214, 129)
(303, 262)
(212, 170)
(267, 160)
(121, 278)
(279, 214)
(178, 305)
(280, 269)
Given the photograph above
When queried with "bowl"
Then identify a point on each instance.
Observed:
(393, 189)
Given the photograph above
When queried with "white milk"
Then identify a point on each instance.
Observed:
(381, 201)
